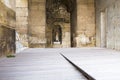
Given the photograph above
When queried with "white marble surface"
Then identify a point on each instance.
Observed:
(102, 64)
(38, 64)
(48, 64)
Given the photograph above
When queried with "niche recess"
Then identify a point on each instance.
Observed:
(58, 23)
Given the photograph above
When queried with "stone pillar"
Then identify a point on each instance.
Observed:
(37, 16)
(22, 23)
(66, 36)
(85, 23)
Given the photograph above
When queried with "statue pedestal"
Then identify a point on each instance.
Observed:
(56, 42)
(57, 45)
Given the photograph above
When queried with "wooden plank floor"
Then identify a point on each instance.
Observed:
(102, 64)
(38, 64)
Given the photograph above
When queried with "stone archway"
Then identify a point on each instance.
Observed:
(58, 13)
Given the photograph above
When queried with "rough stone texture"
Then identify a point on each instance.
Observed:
(7, 41)
(7, 16)
(7, 35)
(84, 30)
(22, 22)
(85, 23)
(9, 3)
(111, 9)
(37, 23)
(32, 27)
(57, 25)
(65, 36)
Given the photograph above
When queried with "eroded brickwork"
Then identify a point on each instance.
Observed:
(7, 41)
(22, 22)
(85, 23)
(37, 17)
(7, 32)
(84, 28)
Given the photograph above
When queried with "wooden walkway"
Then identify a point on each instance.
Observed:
(38, 64)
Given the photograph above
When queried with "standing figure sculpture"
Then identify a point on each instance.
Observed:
(57, 37)
(57, 34)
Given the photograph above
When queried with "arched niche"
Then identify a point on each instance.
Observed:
(57, 34)
(60, 21)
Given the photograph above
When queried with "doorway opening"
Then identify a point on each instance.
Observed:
(61, 18)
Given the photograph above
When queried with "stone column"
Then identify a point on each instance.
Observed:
(37, 16)
(22, 23)
(85, 23)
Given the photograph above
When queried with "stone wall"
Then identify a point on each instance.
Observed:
(9, 4)
(7, 25)
(7, 16)
(83, 35)
(7, 41)
(101, 7)
(22, 22)
(58, 33)
(37, 23)
(85, 30)
(111, 10)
